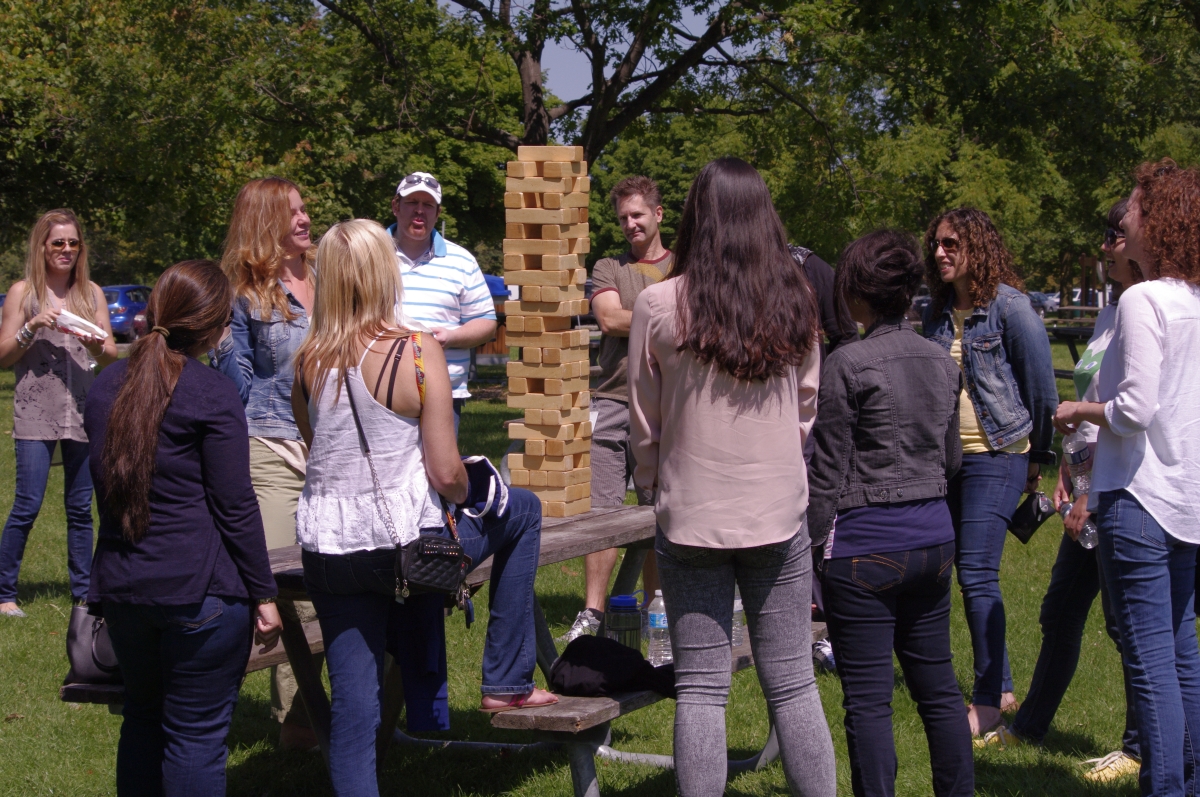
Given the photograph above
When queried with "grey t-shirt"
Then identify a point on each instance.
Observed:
(628, 277)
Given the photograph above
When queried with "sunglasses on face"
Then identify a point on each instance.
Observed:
(63, 243)
(417, 179)
(1111, 236)
(949, 244)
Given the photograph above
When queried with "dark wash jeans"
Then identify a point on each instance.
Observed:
(354, 594)
(1074, 583)
(33, 471)
(183, 666)
(982, 497)
(775, 584)
(898, 602)
(1151, 578)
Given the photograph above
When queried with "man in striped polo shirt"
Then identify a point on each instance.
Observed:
(444, 290)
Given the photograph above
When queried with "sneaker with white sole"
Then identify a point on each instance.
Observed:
(822, 653)
(1112, 767)
(1002, 738)
(587, 623)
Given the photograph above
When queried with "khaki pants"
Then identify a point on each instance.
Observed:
(278, 488)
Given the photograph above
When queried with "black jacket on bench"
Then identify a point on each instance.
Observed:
(206, 533)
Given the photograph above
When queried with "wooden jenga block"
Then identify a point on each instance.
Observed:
(545, 492)
(560, 355)
(554, 387)
(572, 462)
(566, 509)
(523, 231)
(532, 355)
(553, 170)
(561, 185)
(579, 246)
(518, 477)
(522, 401)
(538, 325)
(558, 154)
(563, 432)
(515, 324)
(518, 386)
(523, 262)
(522, 170)
(535, 448)
(531, 293)
(552, 231)
(556, 417)
(569, 370)
(551, 293)
(560, 448)
(580, 276)
(536, 246)
(550, 340)
(560, 263)
(564, 200)
(562, 216)
(560, 309)
(539, 277)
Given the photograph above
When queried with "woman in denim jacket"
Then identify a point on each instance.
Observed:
(886, 442)
(980, 316)
(267, 259)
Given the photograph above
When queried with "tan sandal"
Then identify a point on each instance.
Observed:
(520, 701)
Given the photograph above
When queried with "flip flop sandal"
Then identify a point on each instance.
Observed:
(515, 702)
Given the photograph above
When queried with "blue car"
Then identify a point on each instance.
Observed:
(125, 302)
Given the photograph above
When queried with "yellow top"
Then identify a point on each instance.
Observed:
(974, 441)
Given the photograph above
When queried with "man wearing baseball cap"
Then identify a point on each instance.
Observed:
(444, 290)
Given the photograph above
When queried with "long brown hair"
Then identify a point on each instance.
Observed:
(747, 308)
(987, 257)
(262, 219)
(1170, 206)
(189, 303)
(81, 300)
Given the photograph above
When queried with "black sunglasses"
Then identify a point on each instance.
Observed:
(417, 179)
(949, 244)
(62, 243)
(1111, 236)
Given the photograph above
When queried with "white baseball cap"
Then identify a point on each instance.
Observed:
(420, 181)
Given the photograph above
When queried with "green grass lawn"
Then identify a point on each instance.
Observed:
(48, 747)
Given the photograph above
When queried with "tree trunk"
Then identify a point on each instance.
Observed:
(535, 118)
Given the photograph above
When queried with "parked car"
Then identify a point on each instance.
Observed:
(1043, 302)
(920, 301)
(125, 302)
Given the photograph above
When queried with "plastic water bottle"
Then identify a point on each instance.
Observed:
(660, 638)
(738, 634)
(1079, 462)
(1087, 535)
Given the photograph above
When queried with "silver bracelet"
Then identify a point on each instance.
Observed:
(21, 342)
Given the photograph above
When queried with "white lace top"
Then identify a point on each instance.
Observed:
(339, 511)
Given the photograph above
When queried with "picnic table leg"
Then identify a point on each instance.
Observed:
(393, 704)
(630, 571)
(308, 677)
(582, 754)
(547, 651)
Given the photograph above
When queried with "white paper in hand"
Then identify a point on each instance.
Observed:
(69, 322)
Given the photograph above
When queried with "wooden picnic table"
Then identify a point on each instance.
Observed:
(582, 725)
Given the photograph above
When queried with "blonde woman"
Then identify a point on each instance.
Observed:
(267, 258)
(400, 386)
(54, 371)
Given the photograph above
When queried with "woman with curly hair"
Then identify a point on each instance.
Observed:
(980, 315)
(1146, 480)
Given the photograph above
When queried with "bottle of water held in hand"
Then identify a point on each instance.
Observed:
(738, 634)
(1078, 454)
(1087, 535)
(660, 638)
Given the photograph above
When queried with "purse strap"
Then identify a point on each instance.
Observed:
(366, 446)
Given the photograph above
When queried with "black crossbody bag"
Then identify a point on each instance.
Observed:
(430, 563)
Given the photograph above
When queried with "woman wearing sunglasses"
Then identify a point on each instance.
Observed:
(1076, 578)
(54, 369)
(980, 315)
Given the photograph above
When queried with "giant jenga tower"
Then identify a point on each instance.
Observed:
(545, 239)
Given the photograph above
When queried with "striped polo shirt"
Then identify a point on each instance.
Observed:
(444, 289)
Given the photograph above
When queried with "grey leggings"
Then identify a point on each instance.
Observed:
(775, 585)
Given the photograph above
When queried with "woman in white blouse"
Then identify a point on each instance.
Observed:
(1146, 480)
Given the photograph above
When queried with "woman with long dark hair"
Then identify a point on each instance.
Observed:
(54, 370)
(886, 443)
(1146, 480)
(980, 316)
(181, 573)
(723, 372)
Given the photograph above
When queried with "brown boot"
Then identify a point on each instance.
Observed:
(298, 737)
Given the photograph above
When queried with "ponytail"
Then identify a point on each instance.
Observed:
(191, 301)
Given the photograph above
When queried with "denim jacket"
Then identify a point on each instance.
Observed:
(257, 356)
(1008, 369)
(887, 425)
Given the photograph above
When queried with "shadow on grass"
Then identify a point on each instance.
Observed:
(560, 608)
(28, 591)
(1002, 779)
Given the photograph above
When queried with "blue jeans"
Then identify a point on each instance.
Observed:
(982, 497)
(897, 601)
(33, 470)
(775, 584)
(1152, 584)
(1074, 583)
(183, 666)
(354, 594)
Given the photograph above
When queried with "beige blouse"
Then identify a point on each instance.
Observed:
(726, 455)
(53, 378)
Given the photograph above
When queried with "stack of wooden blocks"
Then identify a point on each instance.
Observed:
(545, 240)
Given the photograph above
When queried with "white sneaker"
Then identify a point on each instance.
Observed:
(1112, 766)
(822, 653)
(587, 623)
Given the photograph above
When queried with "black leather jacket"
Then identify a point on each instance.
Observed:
(887, 425)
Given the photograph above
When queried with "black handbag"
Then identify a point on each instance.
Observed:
(1030, 515)
(430, 563)
(90, 651)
